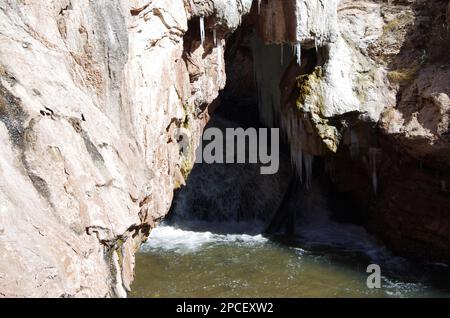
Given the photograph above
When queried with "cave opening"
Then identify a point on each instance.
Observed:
(261, 82)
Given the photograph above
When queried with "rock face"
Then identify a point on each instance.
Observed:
(92, 98)
(374, 100)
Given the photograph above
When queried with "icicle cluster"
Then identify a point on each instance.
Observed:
(259, 6)
(202, 30)
(301, 161)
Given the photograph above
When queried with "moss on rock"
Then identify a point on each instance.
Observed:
(311, 101)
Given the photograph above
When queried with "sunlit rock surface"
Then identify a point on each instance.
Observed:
(92, 95)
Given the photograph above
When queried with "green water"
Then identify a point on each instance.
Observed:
(181, 263)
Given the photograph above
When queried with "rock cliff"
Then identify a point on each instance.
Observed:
(93, 96)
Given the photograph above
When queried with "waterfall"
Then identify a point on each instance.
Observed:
(202, 30)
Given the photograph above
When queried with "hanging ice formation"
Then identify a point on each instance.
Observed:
(316, 45)
(202, 30)
(301, 161)
(298, 53)
(219, 60)
(218, 45)
(259, 6)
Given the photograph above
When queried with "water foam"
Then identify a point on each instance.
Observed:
(171, 238)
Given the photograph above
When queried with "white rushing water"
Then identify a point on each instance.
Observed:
(171, 238)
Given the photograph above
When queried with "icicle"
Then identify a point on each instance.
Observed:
(308, 159)
(202, 30)
(219, 53)
(316, 45)
(259, 6)
(298, 52)
(282, 53)
(215, 36)
(219, 60)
